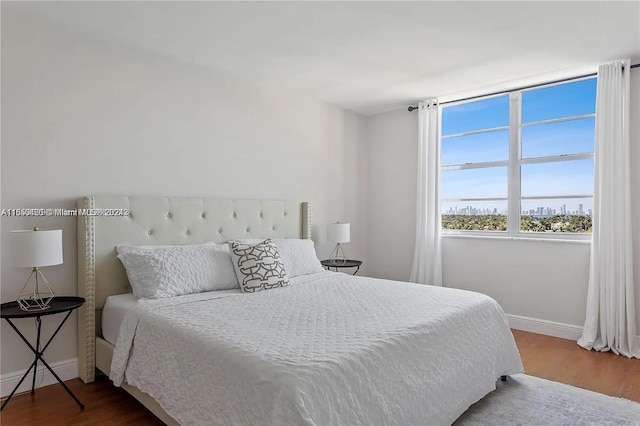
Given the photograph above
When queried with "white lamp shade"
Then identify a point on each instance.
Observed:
(35, 248)
(339, 232)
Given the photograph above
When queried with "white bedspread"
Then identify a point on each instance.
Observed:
(329, 349)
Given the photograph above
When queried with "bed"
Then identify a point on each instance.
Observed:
(329, 349)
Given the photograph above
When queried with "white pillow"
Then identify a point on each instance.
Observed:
(298, 255)
(177, 270)
(258, 266)
(123, 248)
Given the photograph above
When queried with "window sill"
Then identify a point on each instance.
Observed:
(519, 238)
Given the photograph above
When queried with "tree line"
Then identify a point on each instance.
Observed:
(555, 223)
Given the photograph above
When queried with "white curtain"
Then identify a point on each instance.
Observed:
(610, 322)
(427, 257)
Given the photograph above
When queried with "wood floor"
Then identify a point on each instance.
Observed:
(564, 361)
(543, 356)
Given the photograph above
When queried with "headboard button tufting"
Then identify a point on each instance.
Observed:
(202, 215)
(149, 232)
(186, 232)
(169, 215)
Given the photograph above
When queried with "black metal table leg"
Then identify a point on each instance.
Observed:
(35, 367)
(39, 353)
(62, 383)
(17, 386)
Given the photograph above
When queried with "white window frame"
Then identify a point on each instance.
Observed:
(513, 164)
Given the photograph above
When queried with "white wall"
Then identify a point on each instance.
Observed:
(391, 161)
(539, 279)
(84, 116)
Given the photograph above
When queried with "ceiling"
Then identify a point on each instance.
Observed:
(367, 57)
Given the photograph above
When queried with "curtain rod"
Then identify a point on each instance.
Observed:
(562, 80)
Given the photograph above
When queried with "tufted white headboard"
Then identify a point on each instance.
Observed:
(148, 220)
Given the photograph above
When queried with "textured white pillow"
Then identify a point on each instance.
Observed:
(123, 248)
(177, 270)
(258, 266)
(298, 255)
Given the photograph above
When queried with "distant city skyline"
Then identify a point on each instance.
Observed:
(541, 211)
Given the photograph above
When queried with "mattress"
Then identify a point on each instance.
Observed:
(113, 313)
(329, 349)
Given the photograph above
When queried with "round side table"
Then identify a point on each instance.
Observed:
(57, 305)
(347, 263)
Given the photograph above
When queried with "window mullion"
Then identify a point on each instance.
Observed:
(513, 170)
(475, 132)
(468, 166)
(556, 158)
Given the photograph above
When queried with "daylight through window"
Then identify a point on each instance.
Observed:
(520, 163)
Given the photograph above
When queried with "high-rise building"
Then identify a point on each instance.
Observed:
(580, 211)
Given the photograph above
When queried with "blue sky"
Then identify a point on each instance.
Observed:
(559, 178)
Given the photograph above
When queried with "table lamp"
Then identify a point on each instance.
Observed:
(35, 248)
(338, 233)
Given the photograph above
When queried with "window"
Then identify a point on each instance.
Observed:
(520, 164)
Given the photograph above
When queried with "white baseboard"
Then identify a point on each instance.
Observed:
(66, 370)
(548, 328)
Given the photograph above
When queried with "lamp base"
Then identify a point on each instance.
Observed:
(337, 255)
(31, 305)
(33, 297)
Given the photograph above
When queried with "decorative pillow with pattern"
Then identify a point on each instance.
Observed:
(258, 266)
(298, 255)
